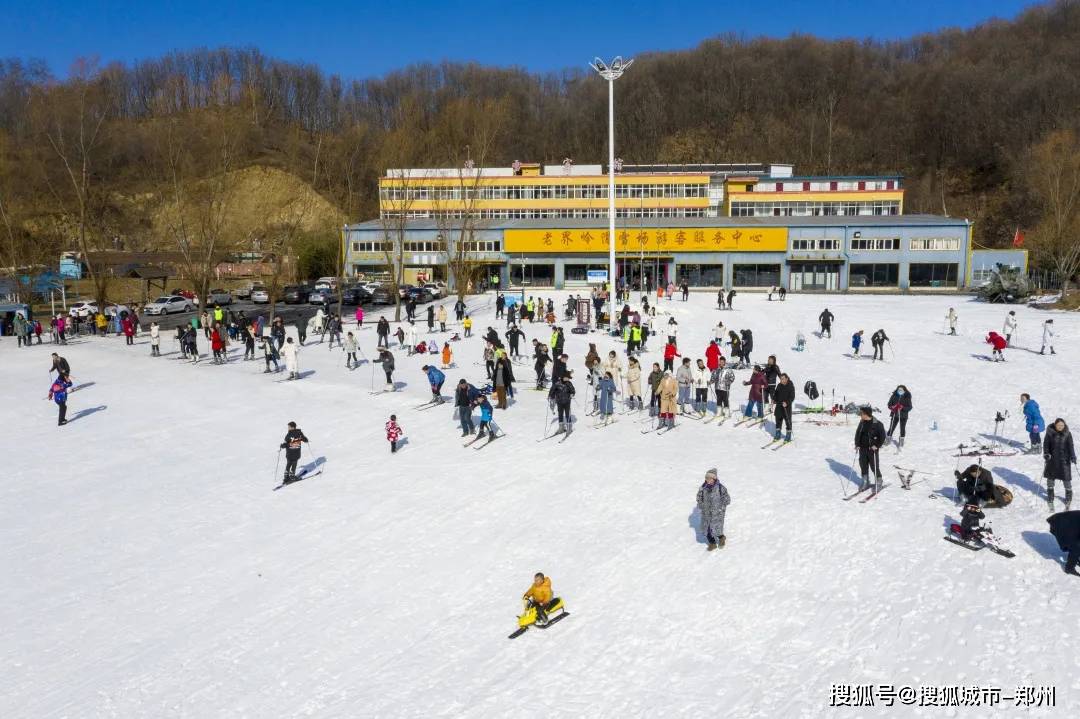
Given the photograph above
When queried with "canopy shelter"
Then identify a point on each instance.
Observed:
(151, 277)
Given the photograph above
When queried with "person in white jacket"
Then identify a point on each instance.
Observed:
(349, 346)
(951, 317)
(611, 364)
(1010, 327)
(684, 376)
(155, 340)
(719, 333)
(673, 331)
(410, 337)
(1048, 337)
(292, 360)
(701, 387)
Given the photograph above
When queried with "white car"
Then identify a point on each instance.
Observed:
(371, 286)
(435, 288)
(82, 310)
(169, 305)
(326, 283)
(260, 297)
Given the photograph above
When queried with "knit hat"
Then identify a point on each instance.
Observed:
(711, 473)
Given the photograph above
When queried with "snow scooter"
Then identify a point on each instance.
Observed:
(554, 607)
(982, 538)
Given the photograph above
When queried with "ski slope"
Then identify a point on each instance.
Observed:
(150, 571)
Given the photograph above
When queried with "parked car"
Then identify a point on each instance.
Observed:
(422, 295)
(436, 288)
(326, 283)
(382, 296)
(219, 297)
(244, 291)
(260, 296)
(295, 294)
(371, 286)
(169, 305)
(82, 309)
(403, 289)
(356, 295)
(321, 297)
(184, 293)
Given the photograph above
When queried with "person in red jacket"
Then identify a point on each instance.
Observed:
(757, 384)
(128, 326)
(998, 343)
(217, 343)
(712, 356)
(670, 353)
(393, 433)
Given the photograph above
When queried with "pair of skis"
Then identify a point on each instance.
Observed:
(776, 444)
(980, 542)
(302, 475)
(490, 438)
(875, 491)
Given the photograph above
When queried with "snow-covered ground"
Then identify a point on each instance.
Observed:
(150, 571)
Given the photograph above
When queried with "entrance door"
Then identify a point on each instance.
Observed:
(815, 277)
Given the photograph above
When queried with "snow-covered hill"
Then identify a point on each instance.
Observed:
(150, 571)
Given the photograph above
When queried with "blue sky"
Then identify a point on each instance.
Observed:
(362, 39)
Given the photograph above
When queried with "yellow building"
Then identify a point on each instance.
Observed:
(568, 191)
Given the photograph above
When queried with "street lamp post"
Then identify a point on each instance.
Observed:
(611, 73)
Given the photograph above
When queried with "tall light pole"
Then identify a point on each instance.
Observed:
(611, 73)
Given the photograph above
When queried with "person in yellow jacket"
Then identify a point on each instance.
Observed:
(467, 324)
(539, 594)
(100, 322)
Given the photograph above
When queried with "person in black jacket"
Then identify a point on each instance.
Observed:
(541, 358)
(899, 406)
(1065, 526)
(560, 341)
(826, 318)
(975, 485)
(562, 392)
(291, 444)
(514, 336)
(500, 305)
(60, 366)
(558, 367)
(869, 436)
(747, 344)
(382, 329)
(431, 318)
(464, 395)
(878, 340)
(772, 376)
(1059, 455)
(784, 396)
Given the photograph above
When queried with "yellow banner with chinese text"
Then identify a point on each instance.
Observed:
(649, 239)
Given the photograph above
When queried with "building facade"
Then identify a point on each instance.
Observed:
(802, 254)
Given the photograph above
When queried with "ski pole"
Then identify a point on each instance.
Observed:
(855, 459)
(277, 463)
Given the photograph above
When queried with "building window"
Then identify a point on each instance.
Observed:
(757, 275)
(874, 275)
(701, 275)
(932, 274)
(935, 243)
(822, 243)
(875, 244)
(579, 273)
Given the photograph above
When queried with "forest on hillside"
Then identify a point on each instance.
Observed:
(982, 123)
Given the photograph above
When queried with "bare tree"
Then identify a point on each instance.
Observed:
(1054, 174)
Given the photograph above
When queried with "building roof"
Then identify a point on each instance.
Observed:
(827, 178)
(634, 222)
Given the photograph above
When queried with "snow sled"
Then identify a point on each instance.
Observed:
(982, 540)
(555, 609)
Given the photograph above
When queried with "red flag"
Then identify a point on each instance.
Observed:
(1018, 238)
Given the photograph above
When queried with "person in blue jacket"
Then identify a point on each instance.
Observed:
(856, 342)
(606, 388)
(486, 424)
(435, 379)
(1033, 422)
(58, 393)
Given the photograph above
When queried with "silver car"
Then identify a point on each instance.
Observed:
(169, 305)
(219, 297)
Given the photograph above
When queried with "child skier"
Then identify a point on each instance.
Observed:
(393, 432)
(951, 319)
(856, 342)
(486, 424)
(999, 343)
(350, 350)
(58, 393)
(1033, 422)
(1009, 328)
(1048, 337)
(292, 444)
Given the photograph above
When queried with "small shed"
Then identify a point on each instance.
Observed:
(151, 277)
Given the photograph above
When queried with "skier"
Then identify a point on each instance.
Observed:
(712, 501)
(217, 344)
(684, 376)
(393, 433)
(558, 367)
(718, 333)
(612, 367)
(608, 390)
(785, 398)
(1065, 526)
(1009, 328)
(539, 596)
(633, 383)
(561, 394)
(334, 330)
(350, 351)
(155, 339)
(878, 340)
(277, 331)
(667, 390)
(899, 405)
(736, 347)
(1033, 422)
(248, 335)
(654, 386)
(747, 344)
(722, 379)
(487, 426)
(1048, 337)
(58, 393)
(503, 379)
(292, 359)
(998, 343)
(435, 379)
(387, 361)
(756, 384)
(192, 343)
(869, 436)
(826, 319)
(269, 354)
(541, 358)
(672, 331)
(410, 337)
(670, 353)
(359, 316)
(382, 329)
(712, 355)
(500, 305)
(772, 376)
(731, 300)
(970, 518)
(701, 387)
(60, 366)
(951, 319)
(292, 444)
(1059, 455)
(856, 343)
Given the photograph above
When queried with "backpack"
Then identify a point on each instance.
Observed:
(810, 389)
